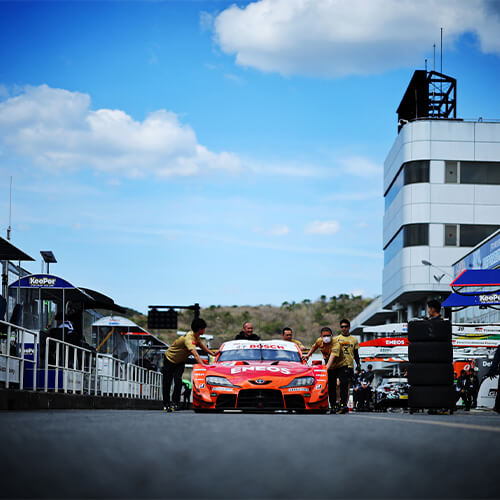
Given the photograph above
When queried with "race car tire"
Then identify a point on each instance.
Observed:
(430, 352)
(436, 330)
(431, 397)
(430, 374)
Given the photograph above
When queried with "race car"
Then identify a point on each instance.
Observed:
(260, 376)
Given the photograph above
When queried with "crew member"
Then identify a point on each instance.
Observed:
(366, 381)
(434, 309)
(473, 385)
(247, 333)
(341, 361)
(325, 344)
(175, 359)
(287, 335)
(464, 390)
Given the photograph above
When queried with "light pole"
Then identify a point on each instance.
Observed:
(430, 264)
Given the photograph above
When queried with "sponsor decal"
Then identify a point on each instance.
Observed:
(226, 389)
(395, 342)
(36, 281)
(319, 386)
(488, 299)
(202, 386)
(298, 389)
(272, 369)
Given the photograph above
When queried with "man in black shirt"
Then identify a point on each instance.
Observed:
(366, 380)
(247, 333)
(434, 309)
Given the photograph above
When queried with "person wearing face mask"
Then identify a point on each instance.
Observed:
(326, 345)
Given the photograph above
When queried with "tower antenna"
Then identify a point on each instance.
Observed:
(441, 70)
(9, 228)
(434, 66)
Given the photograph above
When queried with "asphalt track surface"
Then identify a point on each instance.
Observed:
(152, 454)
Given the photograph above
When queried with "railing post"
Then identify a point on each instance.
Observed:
(65, 373)
(56, 382)
(46, 381)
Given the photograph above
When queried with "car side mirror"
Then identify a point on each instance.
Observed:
(317, 362)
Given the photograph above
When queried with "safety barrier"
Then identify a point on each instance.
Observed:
(18, 348)
(58, 366)
(68, 367)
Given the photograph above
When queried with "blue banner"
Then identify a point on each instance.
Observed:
(486, 256)
(41, 281)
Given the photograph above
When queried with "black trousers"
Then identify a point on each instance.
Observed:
(365, 397)
(344, 375)
(172, 372)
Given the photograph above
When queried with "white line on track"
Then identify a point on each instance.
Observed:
(475, 427)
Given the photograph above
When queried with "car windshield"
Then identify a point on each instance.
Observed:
(259, 355)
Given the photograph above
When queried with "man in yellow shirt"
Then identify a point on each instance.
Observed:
(287, 335)
(341, 363)
(175, 360)
(326, 344)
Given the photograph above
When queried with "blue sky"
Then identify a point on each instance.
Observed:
(192, 151)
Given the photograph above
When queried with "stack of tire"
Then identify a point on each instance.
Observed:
(430, 372)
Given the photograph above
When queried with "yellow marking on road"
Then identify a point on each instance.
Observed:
(434, 422)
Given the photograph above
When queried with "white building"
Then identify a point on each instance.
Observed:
(442, 197)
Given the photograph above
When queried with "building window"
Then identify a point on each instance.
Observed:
(472, 172)
(409, 235)
(451, 172)
(411, 172)
(417, 171)
(416, 234)
(472, 234)
(479, 172)
(450, 235)
(394, 246)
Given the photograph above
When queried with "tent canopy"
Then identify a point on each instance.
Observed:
(10, 252)
(53, 287)
(466, 300)
(477, 277)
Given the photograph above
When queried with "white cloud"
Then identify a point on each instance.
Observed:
(58, 130)
(326, 227)
(277, 230)
(335, 38)
(361, 166)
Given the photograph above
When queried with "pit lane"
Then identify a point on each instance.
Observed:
(152, 454)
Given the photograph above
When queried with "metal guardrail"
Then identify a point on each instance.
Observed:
(64, 367)
(13, 353)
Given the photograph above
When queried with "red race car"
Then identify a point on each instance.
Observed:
(260, 375)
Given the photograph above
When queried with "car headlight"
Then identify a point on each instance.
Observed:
(301, 382)
(211, 380)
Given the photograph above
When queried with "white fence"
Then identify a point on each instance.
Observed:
(64, 367)
(18, 349)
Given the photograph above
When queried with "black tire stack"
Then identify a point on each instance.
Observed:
(430, 372)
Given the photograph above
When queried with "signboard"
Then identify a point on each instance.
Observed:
(41, 281)
(13, 370)
(487, 256)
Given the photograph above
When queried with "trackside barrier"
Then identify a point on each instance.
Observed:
(18, 350)
(71, 367)
(63, 367)
(111, 376)
(143, 383)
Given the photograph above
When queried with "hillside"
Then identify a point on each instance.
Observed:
(305, 318)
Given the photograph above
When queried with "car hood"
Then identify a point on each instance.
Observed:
(238, 371)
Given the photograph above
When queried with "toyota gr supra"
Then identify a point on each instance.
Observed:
(260, 376)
